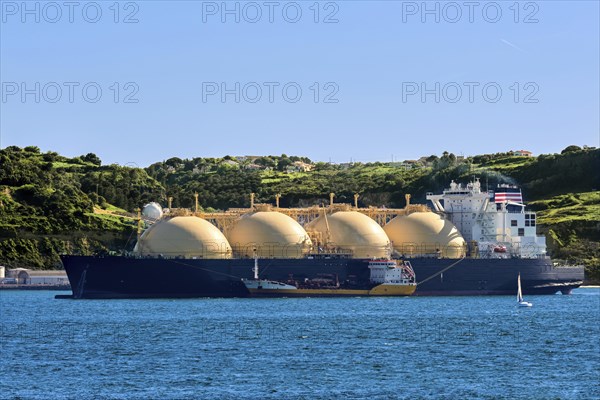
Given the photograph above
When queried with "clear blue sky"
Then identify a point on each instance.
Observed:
(377, 56)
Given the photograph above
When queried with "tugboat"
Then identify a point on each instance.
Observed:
(387, 278)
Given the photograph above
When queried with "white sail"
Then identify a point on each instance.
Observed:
(255, 269)
(520, 301)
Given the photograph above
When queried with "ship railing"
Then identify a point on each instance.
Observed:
(422, 255)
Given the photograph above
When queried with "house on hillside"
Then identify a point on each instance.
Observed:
(254, 167)
(243, 159)
(302, 166)
(231, 163)
(298, 166)
(522, 153)
(424, 162)
(398, 164)
(406, 164)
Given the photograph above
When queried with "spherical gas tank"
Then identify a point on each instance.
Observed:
(183, 236)
(425, 233)
(271, 233)
(354, 232)
(152, 211)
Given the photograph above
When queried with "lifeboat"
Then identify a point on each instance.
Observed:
(499, 248)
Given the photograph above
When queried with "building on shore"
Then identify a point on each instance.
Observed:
(25, 276)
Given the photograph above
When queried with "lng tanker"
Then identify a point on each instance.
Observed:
(466, 242)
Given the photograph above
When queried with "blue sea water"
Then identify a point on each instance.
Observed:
(388, 348)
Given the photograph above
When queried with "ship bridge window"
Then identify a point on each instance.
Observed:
(513, 208)
(513, 222)
(529, 219)
(521, 231)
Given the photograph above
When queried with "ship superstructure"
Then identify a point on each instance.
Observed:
(495, 224)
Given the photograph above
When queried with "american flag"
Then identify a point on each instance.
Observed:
(512, 197)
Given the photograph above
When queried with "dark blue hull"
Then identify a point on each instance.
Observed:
(123, 277)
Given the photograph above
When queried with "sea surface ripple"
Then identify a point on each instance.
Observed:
(380, 348)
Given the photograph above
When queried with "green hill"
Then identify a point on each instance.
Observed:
(51, 204)
(47, 205)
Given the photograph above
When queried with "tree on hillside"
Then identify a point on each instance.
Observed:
(32, 149)
(265, 162)
(174, 162)
(570, 149)
(447, 160)
(51, 156)
(13, 149)
(283, 164)
(92, 158)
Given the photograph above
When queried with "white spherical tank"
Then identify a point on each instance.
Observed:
(152, 210)
(271, 233)
(183, 236)
(425, 233)
(352, 231)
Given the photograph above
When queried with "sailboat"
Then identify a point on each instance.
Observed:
(521, 302)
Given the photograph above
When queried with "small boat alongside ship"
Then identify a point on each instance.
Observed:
(387, 278)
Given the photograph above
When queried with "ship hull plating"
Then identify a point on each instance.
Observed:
(122, 277)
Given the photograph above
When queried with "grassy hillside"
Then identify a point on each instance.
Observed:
(51, 204)
(571, 223)
(47, 205)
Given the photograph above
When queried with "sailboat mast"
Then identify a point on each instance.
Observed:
(255, 269)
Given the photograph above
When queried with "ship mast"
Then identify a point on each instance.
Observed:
(327, 226)
(139, 223)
